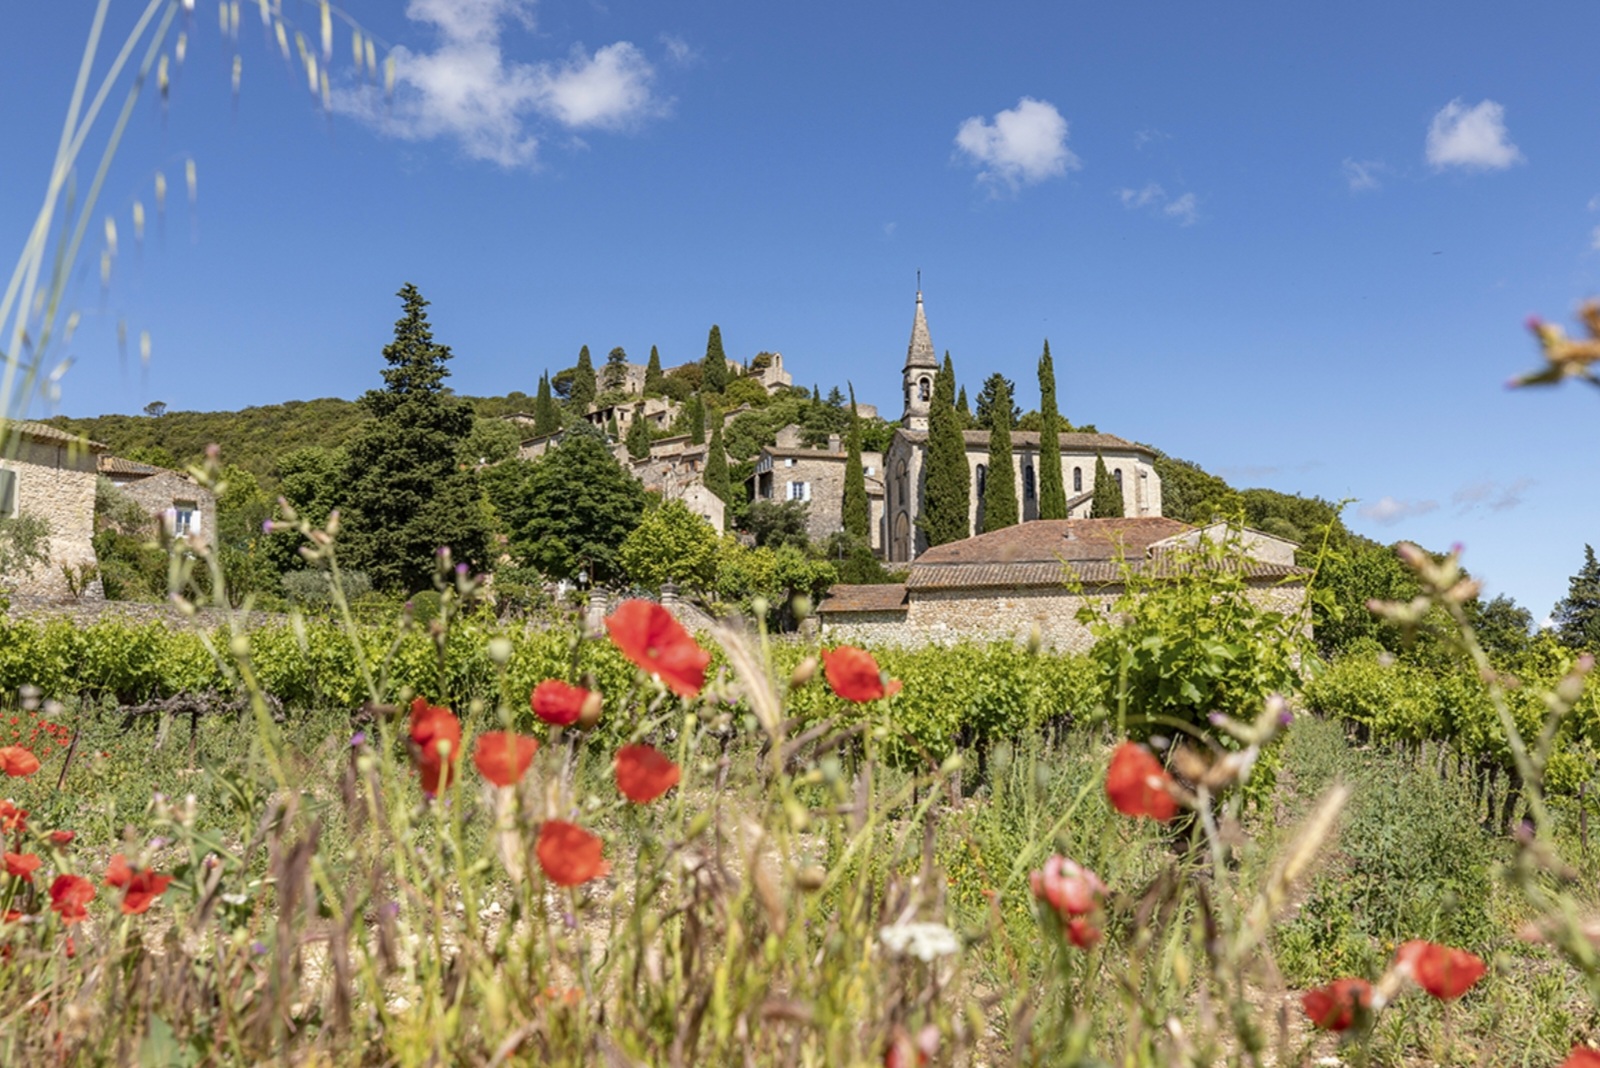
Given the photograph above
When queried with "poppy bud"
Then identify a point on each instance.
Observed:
(803, 672)
(589, 714)
(810, 879)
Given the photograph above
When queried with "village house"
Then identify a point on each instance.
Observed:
(185, 508)
(789, 471)
(48, 473)
(1029, 581)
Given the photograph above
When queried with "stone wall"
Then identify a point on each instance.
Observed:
(87, 612)
(56, 482)
(159, 494)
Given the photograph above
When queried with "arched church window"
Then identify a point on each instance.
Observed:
(983, 477)
(922, 389)
(1117, 474)
(1027, 482)
(1077, 480)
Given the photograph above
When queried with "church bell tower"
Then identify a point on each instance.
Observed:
(921, 367)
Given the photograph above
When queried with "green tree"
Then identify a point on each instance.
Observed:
(616, 371)
(546, 412)
(964, 410)
(248, 565)
(653, 378)
(1576, 617)
(638, 438)
(408, 495)
(775, 524)
(714, 368)
(1000, 487)
(947, 481)
(857, 511)
(671, 544)
(612, 433)
(24, 544)
(491, 441)
(990, 412)
(1192, 495)
(1052, 484)
(1504, 628)
(716, 472)
(691, 420)
(583, 390)
(576, 508)
(1107, 501)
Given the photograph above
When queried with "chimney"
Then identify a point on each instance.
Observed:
(833, 442)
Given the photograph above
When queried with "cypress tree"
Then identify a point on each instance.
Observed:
(1107, 502)
(546, 413)
(653, 378)
(716, 476)
(714, 368)
(406, 493)
(964, 410)
(638, 437)
(583, 383)
(947, 482)
(697, 420)
(1000, 489)
(1052, 486)
(857, 510)
(612, 433)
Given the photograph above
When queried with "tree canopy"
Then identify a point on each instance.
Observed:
(574, 509)
(1107, 501)
(947, 482)
(1052, 486)
(1576, 616)
(1000, 486)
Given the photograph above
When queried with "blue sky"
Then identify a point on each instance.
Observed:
(1294, 244)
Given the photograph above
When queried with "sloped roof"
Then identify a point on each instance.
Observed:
(116, 465)
(1053, 540)
(46, 432)
(1088, 573)
(882, 597)
(919, 353)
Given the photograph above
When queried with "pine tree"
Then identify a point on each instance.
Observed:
(714, 368)
(583, 383)
(1107, 501)
(947, 481)
(1052, 484)
(639, 436)
(989, 412)
(857, 510)
(1000, 487)
(616, 375)
(406, 494)
(546, 413)
(653, 378)
(716, 473)
(1576, 616)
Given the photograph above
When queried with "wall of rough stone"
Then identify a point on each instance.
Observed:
(57, 483)
(86, 612)
(158, 493)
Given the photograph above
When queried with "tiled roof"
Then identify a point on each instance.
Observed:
(884, 597)
(1088, 573)
(1073, 442)
(116, 465)
(803, 453)
(52, 434)
(1053, 540)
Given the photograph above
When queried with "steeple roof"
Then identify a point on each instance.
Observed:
(920, 352)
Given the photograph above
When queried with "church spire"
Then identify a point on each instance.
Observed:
(920, 369)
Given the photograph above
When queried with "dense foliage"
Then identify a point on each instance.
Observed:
(947, 482)
(1052, 485)
(999, 507)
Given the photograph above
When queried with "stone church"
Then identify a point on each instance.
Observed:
(1132, 465)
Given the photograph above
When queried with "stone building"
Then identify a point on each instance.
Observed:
(1031, 579)
(51, 474)
(173, 498)
(659, 412)
(789, 471)
(1132, 465)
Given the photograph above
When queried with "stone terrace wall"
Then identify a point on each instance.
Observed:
(87, 612)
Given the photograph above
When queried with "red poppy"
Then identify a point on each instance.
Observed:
(1582, 1057)
(117, 871)
(70, 896)
(22, 865)
(144, 886)
(12, 818)
(647, 634)
(62, 838)
(1137, 784)
(854, 675)
(569, 855)
(1334, 1007)
(1082, 933)
(436, 734)
(503, 757)
(1444, 972)
(644, 773)
(17, 761)
(557, 703)
(1068, 887)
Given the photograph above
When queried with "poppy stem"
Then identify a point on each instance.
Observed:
(72, 748)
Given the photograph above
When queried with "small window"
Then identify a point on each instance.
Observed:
(185, 518)
(1117, 474)
(1077, 480)
(1027, 482)
(983, 478)
(866, 470)
(799, 491)
(922, 389)
(8, 494)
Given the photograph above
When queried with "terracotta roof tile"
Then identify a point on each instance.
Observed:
(883, 597)
(116, 465)
(54, 435)
(1087, 573)
(1052, 540)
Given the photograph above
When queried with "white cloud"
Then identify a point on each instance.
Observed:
(1488, 493)
(1474, 138)
(1146, 136)
(679, 50)
(1185, 210)
(468, 89)
(1594, 239)
(1023, 145)
(1594, 202)
(1362, 174)
(889, 228)
(1389, 511)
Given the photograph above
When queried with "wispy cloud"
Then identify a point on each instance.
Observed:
(679, 50)
(1020, 146)
(468, 89)
(1184, 210)
(1147, 136)
(1362, 174)
(1495, 496)
(1473, 137)
(1389, 510)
